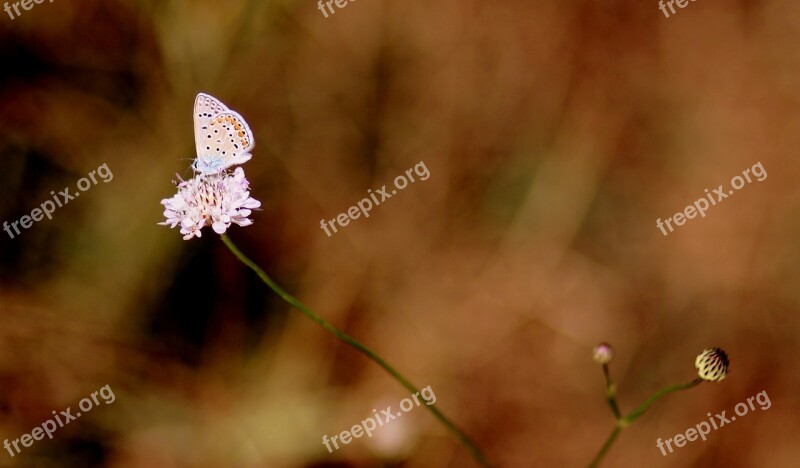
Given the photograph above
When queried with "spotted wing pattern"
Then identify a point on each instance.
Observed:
(222, 137)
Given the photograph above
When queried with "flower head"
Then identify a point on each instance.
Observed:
(216, 200)
(603, 353)
(712, 364)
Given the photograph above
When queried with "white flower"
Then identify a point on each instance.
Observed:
(216, 200)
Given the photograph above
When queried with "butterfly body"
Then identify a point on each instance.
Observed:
(222, 137)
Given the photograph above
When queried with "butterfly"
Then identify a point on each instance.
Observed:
(221, 136)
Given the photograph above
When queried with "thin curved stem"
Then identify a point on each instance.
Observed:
(294, 302)
(623, 422)
(657, 396)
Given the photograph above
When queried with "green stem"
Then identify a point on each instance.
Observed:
(606, 446)
(294, 302)
(611, 392)
(657, 396)
(622, 423)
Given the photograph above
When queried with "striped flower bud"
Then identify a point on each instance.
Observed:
(712, 364)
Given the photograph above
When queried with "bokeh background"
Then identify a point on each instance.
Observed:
(556, 133)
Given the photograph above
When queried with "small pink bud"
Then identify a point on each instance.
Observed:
(603, 353)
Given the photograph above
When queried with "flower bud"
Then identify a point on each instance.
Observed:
(712, 364)
(603, 353)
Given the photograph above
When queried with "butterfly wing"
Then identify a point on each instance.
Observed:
(206, 107)
(222, 137)
(228, 139)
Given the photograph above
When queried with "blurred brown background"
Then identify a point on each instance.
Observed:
(555, 132)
